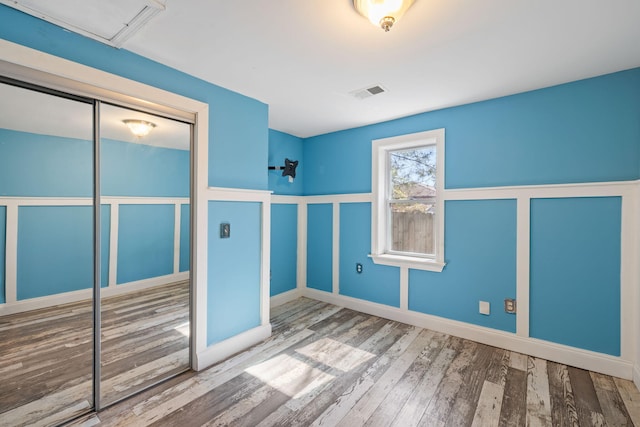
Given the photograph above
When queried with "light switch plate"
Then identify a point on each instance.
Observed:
(225, 230)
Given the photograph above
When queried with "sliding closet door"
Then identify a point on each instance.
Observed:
(46, 256)
(144, 192)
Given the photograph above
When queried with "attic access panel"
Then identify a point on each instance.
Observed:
(108, 21)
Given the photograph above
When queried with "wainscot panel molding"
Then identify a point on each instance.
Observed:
(627, 365)
(340, 198)
(221, 194)
(223, 349)
(301, 267)
(287, 200)
(301, 279)
(588, 189)
(13, 305)
(635, 263)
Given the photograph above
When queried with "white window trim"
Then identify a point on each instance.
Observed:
(379, 166)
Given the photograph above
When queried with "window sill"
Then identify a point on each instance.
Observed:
(408, 261)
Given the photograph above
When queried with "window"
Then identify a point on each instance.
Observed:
(407, 210)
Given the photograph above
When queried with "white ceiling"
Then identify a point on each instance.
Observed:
(303, 57)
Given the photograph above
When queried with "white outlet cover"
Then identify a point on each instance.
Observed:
(485, 308)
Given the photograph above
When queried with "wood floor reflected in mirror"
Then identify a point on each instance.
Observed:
(46, 354)
(145, 339)
(46, 363)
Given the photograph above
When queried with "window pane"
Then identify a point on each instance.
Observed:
(412, 227)
(413, 173)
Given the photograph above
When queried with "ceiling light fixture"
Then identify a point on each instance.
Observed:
(139, 128)
(382, 13)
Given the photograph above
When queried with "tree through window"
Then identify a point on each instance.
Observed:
(412, 200)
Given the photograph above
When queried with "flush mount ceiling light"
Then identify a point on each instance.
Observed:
(139, 128)
(382, 13)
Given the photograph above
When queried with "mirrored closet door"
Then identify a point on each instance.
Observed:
(46, 256)
(94, 252)
(144, 192)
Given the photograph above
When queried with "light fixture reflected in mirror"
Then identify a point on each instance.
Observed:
(139, 128)
(382, 13)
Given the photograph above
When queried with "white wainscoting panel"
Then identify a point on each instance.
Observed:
(626, 366)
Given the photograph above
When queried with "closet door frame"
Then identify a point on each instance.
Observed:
(44, 70)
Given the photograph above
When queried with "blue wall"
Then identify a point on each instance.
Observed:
(586, 131)
(480, 250)
(575, 272)
(284, 248)
(233, 291)
(128, 169)
(281, 146)
(55, 250)
(319, 246)
(145, 242)
(376, 283)
(34, 165)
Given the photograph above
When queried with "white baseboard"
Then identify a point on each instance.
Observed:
(597, 362)
(85, 294)
(285, 297)
(636, 376)
(227, 348)
(139, 285)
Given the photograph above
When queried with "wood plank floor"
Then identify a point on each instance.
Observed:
(328, 366)
(46, 355)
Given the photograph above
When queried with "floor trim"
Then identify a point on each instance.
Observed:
(609, 365)
(636, 376)
(85, 294)
(285, 297)
(224, 349)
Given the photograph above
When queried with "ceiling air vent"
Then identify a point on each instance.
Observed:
(368, 92)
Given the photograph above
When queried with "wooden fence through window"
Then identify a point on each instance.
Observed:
(412, 232)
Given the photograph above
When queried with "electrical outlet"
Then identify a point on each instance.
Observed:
(358, 268)
(485, 308)
(510, 305)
